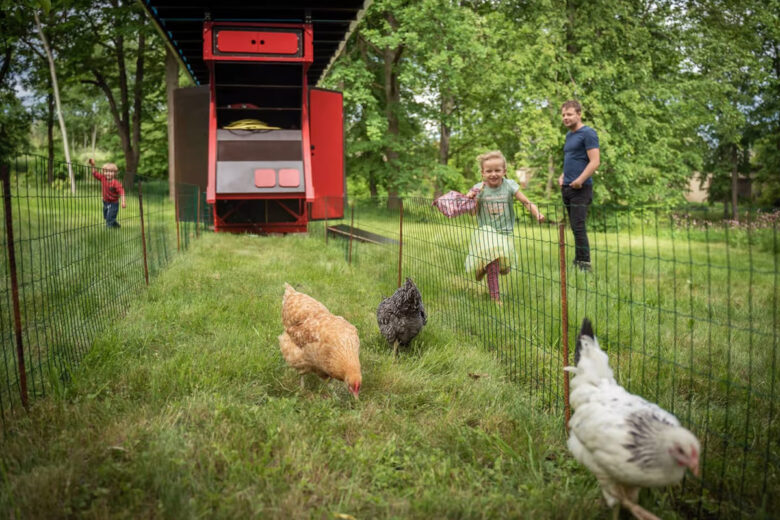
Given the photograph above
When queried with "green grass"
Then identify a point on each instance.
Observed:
(689, 320)
(72, 273)
(185, 408)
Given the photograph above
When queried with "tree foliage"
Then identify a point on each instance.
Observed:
(671, 87)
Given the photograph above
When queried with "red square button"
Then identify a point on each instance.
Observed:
(289, 178)
(265, 178)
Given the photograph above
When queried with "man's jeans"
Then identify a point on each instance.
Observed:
(576, 203)
(110, 210)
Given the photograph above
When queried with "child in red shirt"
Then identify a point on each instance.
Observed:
(112, 192)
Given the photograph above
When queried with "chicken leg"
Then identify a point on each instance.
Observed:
(395, 350)
(638, 511)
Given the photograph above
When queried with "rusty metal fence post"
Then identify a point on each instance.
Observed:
(9, 229)
(400, 239)
(143, 231)
(564, 319)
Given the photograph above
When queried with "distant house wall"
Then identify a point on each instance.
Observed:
(697, 190)
(524, 175)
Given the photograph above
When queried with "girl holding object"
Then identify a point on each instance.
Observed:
(492, 249)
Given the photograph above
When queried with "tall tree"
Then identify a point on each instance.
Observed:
(378, 129)
(726, 49)
(110, 53)
(56, 93)
(171, 83)
(14, 121)
(453, 67)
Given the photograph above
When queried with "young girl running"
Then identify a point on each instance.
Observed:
(492, 249)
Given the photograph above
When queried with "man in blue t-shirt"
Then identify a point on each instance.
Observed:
(580, 160)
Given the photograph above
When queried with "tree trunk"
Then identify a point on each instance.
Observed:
(56, 90)
(132, 164)
(571, 45)
(94, 138)
(372, 187)
(447, 105)
(6, 66)
(128, 124)
(50, 138)
(171, 83)
(392, 97)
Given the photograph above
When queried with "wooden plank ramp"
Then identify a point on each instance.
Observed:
(359, 234)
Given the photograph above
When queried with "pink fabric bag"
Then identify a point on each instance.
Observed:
(454, 203)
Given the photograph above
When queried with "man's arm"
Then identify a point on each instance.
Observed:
(594, 160)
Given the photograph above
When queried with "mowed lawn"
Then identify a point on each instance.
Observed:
(185, 408)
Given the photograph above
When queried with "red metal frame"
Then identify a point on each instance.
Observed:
(294, 204)
(208, 43)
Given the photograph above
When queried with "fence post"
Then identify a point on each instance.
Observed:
(197, 216)
(176, 206)
(564, 318)
(143, 231)
(351, 232)
(9, 229)
(400, 239)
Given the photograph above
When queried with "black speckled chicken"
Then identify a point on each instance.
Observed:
(402, 316)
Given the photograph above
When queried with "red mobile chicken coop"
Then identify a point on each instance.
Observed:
(264, 144)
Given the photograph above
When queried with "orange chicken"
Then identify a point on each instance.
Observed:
(316, 341)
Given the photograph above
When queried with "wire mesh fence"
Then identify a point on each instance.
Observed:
(65, 273)
(685, 305)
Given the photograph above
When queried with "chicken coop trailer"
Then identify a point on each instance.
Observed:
(264, 144)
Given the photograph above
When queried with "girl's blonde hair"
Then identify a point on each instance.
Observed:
(110, 166)
(493, 154)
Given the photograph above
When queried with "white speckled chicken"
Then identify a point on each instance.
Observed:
(627, 442)
(402, 316)
(316, 341)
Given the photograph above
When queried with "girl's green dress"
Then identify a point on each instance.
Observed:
(493, 240)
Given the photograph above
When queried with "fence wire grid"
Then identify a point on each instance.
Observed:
(685, 304)
(65, 275)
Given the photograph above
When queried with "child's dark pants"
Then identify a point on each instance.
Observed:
(110, 210)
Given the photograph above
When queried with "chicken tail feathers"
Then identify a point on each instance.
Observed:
(586, 331)
(288, 291)
(590, 361)
(291, 353)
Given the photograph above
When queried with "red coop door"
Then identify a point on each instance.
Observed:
(326, 125)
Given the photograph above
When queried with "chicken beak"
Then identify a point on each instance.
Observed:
(355, 391)
(694, 466)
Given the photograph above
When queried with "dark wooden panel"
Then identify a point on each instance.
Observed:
(191, 123)
(259, 151)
